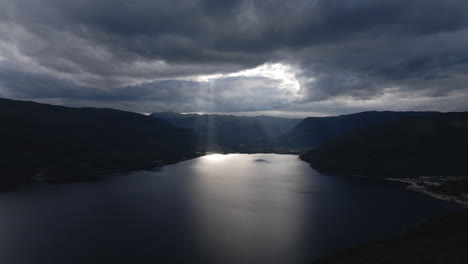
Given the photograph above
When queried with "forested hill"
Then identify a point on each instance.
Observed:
(236, 133)
(434, 145)
(312, 131)
(58, 141)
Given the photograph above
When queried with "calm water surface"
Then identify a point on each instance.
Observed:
(214, 209)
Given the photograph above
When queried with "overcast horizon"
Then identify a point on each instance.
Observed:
(253, 57)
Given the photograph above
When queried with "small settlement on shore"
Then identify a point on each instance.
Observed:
(448, 188)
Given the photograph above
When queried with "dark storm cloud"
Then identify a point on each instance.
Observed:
(113, 51)
(227, 94)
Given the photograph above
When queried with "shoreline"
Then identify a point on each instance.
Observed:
(414, 186)
(410, 185)
(86, 176)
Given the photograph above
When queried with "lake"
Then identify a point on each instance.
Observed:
(237, 208)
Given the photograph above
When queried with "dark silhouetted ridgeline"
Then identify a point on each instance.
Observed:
(40, 140)
(313, 131)
(435, 145)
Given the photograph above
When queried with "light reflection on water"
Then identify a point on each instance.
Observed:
(253, 212)
(213, 157)
(214, 209)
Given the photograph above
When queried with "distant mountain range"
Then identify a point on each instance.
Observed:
(40, 140)
(382, 144)
(246, 134)
(435, 145)
(235, 133)
(56, 141)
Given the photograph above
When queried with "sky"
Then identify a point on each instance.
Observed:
(291, 58)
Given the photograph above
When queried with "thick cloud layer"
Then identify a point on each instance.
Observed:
(338, 56)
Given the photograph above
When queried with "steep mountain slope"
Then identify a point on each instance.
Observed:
(232, 132)
(62, 141)
(314, 130)
(419, 146)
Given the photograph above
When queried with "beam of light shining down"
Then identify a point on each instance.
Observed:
(268, 83)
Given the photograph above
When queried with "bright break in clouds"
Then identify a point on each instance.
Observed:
(288, 58)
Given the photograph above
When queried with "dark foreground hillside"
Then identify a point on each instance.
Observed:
(313, 131)
(441, 240)
(421, 146)
(56, 141)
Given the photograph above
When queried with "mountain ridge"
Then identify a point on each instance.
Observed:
(418, 146)
(313, 131)
(59, 141)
